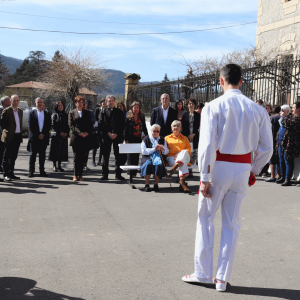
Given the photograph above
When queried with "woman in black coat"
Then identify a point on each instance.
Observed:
(135, 125)
(190, 128)
(59, 137)
(81, 133)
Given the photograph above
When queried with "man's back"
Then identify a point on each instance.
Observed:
(237, 126)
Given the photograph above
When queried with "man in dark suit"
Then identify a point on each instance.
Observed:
(112, 125)
(11, 124)
(5, 102)
(39, 124)
(164, 115)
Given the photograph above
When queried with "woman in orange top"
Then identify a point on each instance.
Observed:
(179, 154)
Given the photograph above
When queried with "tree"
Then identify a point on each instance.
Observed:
(32, 67)
(69, 71)
(4, 75)
(245, 58)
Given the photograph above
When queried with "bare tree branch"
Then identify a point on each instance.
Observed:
(71, 70)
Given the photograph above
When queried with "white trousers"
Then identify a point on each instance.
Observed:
(229, 185)
(183, 157)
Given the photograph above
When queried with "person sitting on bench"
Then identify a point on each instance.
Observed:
(151, 162)
(179, 154)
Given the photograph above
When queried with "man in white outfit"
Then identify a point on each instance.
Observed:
(232, 126)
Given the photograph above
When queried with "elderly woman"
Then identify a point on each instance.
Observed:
(288, 142)
(179, 154)
(151, 162)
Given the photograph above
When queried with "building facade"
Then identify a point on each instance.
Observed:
(278, 27)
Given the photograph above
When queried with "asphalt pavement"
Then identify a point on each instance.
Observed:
(90, 240)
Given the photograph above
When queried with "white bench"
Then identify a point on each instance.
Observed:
(136, 148)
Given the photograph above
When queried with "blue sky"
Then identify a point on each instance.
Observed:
(150, 56)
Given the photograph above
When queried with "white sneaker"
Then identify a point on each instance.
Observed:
(220, 285)
(193, 279)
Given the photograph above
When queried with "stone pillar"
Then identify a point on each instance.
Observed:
(132, 80)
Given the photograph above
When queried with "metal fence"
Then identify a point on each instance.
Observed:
(275, 82)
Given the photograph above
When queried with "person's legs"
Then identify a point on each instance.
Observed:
(119, 158)
(94, 155)
(42, 156)
(14, 153)
(2, 147)
(106, 154)
(82, 160)
(32, 157)
(207, 209)
(231, 220)
(282, 165)
(147, 179)
(184, 158)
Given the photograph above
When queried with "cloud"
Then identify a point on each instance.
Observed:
(157, 7)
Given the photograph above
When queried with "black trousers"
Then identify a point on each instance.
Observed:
(80, 157)
(10, 154)
(120, 159)
(37, 147)
(2, 147)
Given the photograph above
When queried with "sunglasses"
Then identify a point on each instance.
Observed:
(157, 131)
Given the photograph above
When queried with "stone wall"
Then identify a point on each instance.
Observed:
(278, 26)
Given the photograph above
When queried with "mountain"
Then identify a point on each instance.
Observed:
(115, 77)
(11, 63)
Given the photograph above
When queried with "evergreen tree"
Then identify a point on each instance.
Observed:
(4, 75)
(166, 88)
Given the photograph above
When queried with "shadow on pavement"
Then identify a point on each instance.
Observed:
(16, 288)
(264, 292)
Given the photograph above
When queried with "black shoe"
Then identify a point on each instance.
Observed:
(99, 163)
(120, 177)
(104, 177)
(286, 183)
(147, 188)
(14, 177)
(270, 180)
(60, 169)
(55, 169)
(6, 178)
(43, 174)
(30, 174)
(94, 164)
(280, 180)
(156, 189)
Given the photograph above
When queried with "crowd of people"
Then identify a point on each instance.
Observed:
(285, 126)
(173, 139)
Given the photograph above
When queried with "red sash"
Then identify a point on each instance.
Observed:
(242, 159)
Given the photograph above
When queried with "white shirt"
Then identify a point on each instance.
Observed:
(80, 113)
(17, 120)
(165, 113)
(234, 124)
(148, 151)
(41, 119)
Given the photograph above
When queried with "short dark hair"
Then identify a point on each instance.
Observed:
(200, 105)
(232, 73)
(260, 101)
(277, 110)
(103, 100)
(191, 100)
(297, 104)
(177, 102)
(56, 106)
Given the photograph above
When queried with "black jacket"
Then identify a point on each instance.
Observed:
(157, 117)
(186, 127)
(129, 129)
(106, 125)
(33, 126)
(80, 125)
(60, 123)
